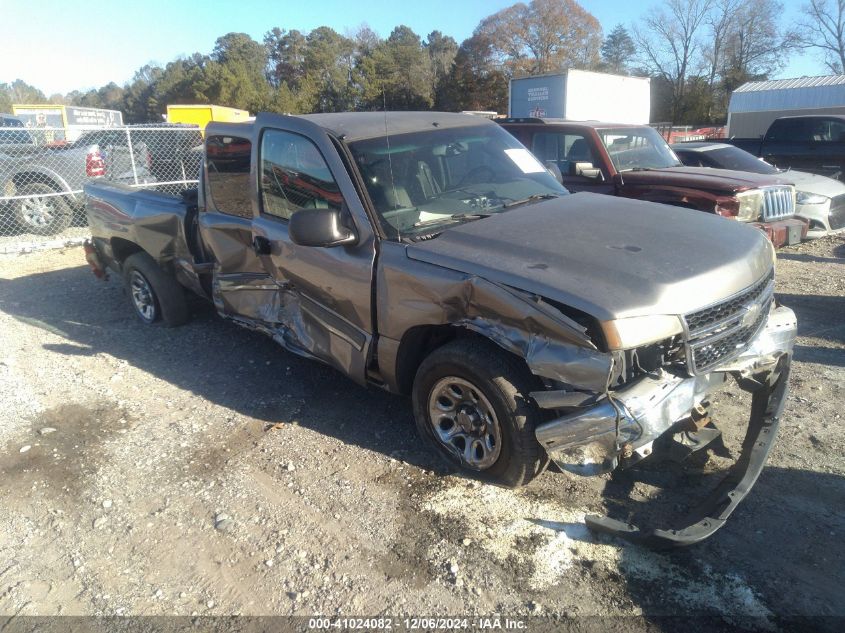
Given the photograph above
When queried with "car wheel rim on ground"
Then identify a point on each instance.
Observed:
(142, 296)
(38, 212)
(464, 422)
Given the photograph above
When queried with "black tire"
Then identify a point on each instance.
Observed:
(504, 382)
(39, 214)
(165, 298)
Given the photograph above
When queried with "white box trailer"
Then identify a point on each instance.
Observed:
(580, 95)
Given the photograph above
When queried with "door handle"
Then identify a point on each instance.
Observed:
(261, 245)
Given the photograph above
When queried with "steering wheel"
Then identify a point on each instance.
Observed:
(476, 175)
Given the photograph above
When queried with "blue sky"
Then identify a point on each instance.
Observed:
(60, 46)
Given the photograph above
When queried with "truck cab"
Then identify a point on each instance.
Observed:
(634, 161)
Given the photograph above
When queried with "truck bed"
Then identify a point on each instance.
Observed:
(156, 222)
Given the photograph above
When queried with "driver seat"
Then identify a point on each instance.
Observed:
(426, 181)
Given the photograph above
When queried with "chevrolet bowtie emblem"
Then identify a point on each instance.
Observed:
(752, 312)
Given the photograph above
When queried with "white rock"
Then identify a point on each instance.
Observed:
(107, 504)
(25, 448)
(47, 430)
(290, 467)
(269, 562)
(210, 604)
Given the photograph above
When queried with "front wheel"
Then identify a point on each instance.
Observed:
(41, 213)
(471, 404)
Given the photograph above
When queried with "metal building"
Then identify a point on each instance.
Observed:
(754, 105)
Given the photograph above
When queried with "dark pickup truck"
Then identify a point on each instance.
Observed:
(634, 161)
(812, 143)
(432, 255)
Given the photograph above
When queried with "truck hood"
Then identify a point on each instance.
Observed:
(813, 183)
(704, 178)
(609, 257)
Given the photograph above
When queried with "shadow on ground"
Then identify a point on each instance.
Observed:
(218, 361)
(784, 544)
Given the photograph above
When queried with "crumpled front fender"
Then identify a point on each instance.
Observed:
(626, 424)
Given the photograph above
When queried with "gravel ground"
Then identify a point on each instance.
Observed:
(203, 470)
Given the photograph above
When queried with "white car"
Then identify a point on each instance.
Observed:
(820, 200)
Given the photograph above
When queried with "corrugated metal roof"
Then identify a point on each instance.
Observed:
(789, 94)
(798, 82)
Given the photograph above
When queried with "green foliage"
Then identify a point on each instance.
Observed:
(19, 92)
(476, 81)
(618, 51)
(398, 73)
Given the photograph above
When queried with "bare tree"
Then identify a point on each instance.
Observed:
(669, 44)
(823, 29)
(755, 45)
(719, 22)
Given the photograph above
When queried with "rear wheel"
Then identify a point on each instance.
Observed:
(471, 404)
(155, 296)
(40, 213)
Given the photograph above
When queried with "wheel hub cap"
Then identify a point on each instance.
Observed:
(464, 422)
(142, 296)
(37, 211)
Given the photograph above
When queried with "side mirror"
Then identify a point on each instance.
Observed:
(586, 170)
(319, 227)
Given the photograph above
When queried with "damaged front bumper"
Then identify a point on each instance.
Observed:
(621, 429)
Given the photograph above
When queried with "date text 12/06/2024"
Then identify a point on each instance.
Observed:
(418, 624)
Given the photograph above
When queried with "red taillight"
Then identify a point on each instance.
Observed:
(94, 163)
(93, 259)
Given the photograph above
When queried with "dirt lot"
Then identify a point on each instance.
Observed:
(203, 470)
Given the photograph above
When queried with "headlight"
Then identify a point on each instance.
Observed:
(805, 197)
(637, 331)
(750, 205)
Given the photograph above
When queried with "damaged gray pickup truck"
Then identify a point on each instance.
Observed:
(430, 254)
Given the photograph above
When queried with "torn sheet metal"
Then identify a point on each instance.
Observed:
(297, 323)
(592, 440)
(766, 408)
(414, 293)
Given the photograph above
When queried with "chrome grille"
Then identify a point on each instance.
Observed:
(778, 202)
(721, 331)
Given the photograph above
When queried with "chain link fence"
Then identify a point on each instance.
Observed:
(42, 175)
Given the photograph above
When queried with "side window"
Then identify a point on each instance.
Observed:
(227, 158)
(562, 149)
(294, 176)
(827, 130)
(788, 130)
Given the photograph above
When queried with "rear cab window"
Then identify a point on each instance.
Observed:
(228, 160)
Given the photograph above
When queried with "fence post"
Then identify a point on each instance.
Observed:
(131, 155)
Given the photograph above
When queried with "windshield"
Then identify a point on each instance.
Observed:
(735, 158)
(633, 148)
(424, 182)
